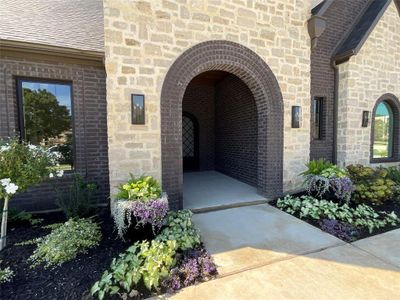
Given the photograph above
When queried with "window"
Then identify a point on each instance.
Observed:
(316, 115)
(45, 115)
(383, 131)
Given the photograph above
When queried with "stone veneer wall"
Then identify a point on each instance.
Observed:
(199, 101)
(236, 130)
(373, 72)
(90, 123)
(144, 38)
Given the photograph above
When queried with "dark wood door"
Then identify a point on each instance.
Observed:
(190, 142)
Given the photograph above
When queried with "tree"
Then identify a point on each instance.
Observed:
(44, 117)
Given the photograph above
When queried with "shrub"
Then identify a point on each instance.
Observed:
(196, 266)
(149, 263)
(21, 166)
(316, 167)
(339, 229)
(78, 200)
(143, 188)
(362, 216)
(394, 174)
(65, 242)
(373, 186)
(16, 216)
(179, 227)
(6, 274)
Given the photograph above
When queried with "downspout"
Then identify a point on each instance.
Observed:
(335, 109)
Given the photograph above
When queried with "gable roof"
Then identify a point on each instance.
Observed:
(321, 8)
(352, 43)
(75, 24)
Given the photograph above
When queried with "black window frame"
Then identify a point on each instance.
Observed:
(394, 105)
(134, 121)
(20, 108)
(320, 120)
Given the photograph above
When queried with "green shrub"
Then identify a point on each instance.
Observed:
(143, 188)
(394, 174)
(146, 262)
(65, 242)
(316, 167)
(15, 215)
(179, 228)
(6, 274)
(78, 200)
(362, 216)
(373, 186)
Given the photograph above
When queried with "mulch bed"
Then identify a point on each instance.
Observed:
(71, 280)
(388, 207)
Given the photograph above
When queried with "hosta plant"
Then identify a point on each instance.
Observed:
(22, 165)
(140, 200)
(64, 242)
(148, 263)
(179, 227)
(363, 216)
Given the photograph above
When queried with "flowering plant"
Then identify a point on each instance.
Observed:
(21, 166)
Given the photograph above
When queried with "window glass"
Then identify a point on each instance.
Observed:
(47, 118)
(383, 131)
(316, 122)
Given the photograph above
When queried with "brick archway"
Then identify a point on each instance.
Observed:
(255, 73)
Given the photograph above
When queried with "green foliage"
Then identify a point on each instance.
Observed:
(78, 200)
(394, 174)
(373, 186)
(6, 274)
(362, 216)
(15, 215)
(179, 228)
(65, 242)
(316, 167)
(143, 188)
(149, 262)
(24, 164)
(44, 117)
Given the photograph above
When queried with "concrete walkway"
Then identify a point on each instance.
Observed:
(264, 253)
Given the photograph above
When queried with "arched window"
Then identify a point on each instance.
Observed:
(385, 129)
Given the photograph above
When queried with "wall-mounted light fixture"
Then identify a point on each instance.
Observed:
(137, 109)
(365, 118)
(296, 116)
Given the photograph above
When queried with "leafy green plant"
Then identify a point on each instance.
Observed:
(6, 274)
(146, 262)
(373, 186)
(143, 188)
(179, 227)
(394, 174)
(316, 167)
(64, 242)
(78, 200)
(17, 216)
(362, 216)
(21, 166)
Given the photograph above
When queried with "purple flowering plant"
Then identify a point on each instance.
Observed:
(196, 266)
(342, 230)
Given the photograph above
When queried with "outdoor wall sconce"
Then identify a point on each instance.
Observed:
(365, 118)
(316, 26)
(137, 109)
(296, 116)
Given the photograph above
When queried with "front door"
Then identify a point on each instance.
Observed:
(190, 142)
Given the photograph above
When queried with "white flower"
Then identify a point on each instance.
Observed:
(59, 173)
(6, 181)
(11, 188)
(4, 148)
(32, 147)
(51, 175)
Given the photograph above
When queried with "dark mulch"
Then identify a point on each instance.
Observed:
(388, 207)
(69, 281)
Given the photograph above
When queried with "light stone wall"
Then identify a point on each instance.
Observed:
(373, 72)
(144, 38)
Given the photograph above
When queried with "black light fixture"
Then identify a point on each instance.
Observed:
(137, 109)
(365, 118)
(296, 116)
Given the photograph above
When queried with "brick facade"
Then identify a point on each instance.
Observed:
(363, 80)
(236, 130)
(90, 122)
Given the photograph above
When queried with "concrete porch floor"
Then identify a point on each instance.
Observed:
(212, 190)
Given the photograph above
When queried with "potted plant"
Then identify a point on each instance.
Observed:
(139, 204)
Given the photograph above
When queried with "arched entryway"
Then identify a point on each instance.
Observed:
(247, 66)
